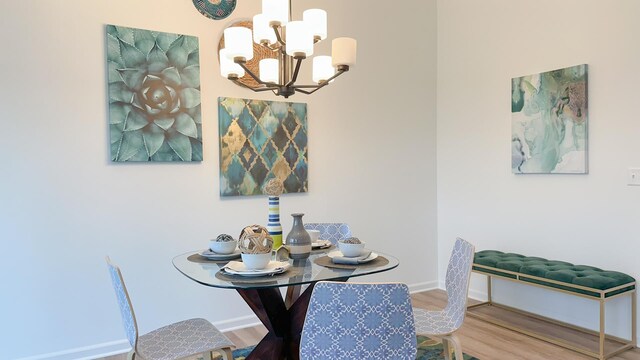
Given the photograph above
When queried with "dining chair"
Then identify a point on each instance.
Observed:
(442, 325)
(330, 231)
(175, 341)
(358, 321)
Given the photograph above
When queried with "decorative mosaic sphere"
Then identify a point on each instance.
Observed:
(351, 240)
(255, 239)
(224, 238)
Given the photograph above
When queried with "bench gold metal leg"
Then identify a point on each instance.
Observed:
(602, 333)
(634, 335)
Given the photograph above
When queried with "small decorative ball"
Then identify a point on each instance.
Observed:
(224, 238)
(351, 240)
(255, 239)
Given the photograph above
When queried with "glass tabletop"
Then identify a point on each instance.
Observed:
(306, 271)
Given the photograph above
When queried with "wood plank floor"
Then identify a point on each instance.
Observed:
(480, 339)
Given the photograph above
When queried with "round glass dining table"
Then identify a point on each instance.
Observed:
(282, 316)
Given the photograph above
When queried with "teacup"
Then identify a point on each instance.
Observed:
(351, 250)
(223, 247)
(256, 261)
(314, 234)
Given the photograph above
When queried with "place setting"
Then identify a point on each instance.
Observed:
(316, 242)
(351, 253)
(221, 250)
(255, 247)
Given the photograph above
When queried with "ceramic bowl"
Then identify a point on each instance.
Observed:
(223, 247)
(256, 261)
(351, 250)
(314, 235)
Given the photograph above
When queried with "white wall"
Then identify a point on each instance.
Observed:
(589, 219)
(64, 205)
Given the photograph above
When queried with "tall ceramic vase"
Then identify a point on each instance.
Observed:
(273, 225)
(298, 240)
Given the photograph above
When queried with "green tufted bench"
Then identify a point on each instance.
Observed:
(580, 280)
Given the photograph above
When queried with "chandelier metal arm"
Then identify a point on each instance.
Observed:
(314, 87)
(341, 70)
(305, 91)
(254, 76)
(279, 39)
(273, 47)
(294, 77)
(258, 89)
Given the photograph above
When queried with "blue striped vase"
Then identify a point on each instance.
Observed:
(273, 225)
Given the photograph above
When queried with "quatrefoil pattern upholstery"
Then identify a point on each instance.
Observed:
(126, 310)
(171, 342)
(330, 231)
(457, 286)
(182, 339)
(582, 275)
(347, 321)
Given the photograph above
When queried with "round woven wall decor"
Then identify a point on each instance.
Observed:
(259, 52)
(215, 9)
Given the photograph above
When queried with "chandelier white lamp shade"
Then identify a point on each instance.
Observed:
(228, 68)
(276, 11)
(299, 39)
(343, 51)
(322, 69)
(239, 44)
(291, 42)
(269, 70)
(317, 22)
(262, 32)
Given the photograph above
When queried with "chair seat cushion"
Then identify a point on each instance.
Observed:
(182, 339)
(433, 322)
(564, 272)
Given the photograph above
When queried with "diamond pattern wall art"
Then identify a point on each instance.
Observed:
(154, 95)
(261, 140)
(549, 122)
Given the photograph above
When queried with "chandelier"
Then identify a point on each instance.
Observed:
(292, 42)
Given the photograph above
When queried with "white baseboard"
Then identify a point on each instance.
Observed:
(478, 295)
(86, 352)
(425, 286)
(237, 323)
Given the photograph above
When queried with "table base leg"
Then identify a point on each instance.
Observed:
(284, 325)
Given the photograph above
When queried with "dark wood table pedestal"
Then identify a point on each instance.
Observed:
(284, 325)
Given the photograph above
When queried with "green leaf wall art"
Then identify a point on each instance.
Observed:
(154, 95)
(259, 141)
(549, 113)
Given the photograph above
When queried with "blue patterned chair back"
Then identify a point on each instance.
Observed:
(347, 321)
(457, 280)
(126, 310)
(330, 231)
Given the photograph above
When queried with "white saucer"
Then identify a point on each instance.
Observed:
(273, 268)
(337, 257)
(210, 255)
(321, 244)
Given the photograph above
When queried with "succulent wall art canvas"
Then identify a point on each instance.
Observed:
(259, 141)
(549, 113)
(154, 95)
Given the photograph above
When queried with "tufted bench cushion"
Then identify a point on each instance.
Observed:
(506, 264)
